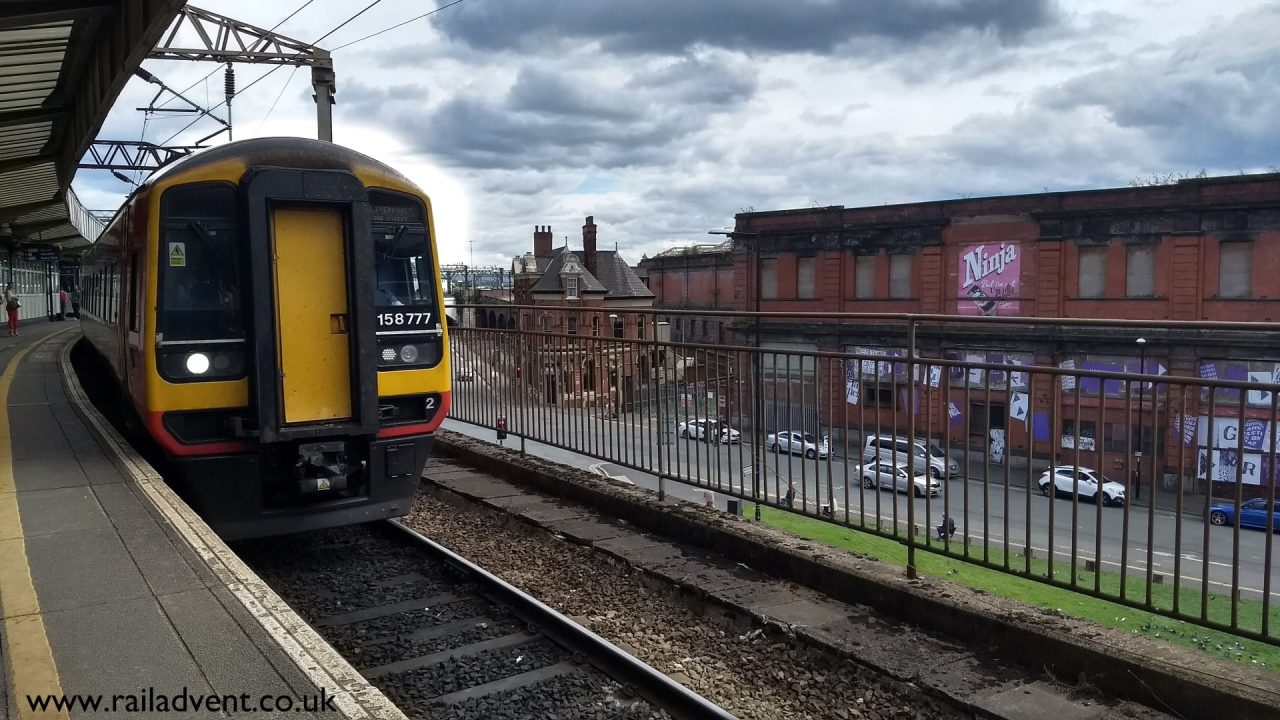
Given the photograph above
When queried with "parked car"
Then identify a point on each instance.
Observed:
(797, 443)
(1064, 482)
(887, 475)
(1252, 514)
(709, 430)
(927, 456)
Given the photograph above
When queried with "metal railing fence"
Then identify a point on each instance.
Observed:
(1011, 444)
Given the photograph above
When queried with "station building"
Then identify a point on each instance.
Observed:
(606, 293)
(1199, 250)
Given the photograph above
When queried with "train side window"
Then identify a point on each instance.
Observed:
(135, 306)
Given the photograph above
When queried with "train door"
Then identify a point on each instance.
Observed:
(313, 351)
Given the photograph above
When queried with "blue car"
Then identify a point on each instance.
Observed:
(1252, 514)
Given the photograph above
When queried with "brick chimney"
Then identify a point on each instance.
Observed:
(541, 241)
(589, 244)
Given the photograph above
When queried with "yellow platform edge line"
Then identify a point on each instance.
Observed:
(29, 664)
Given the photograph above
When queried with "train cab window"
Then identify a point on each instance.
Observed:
(200, 296)
(405, 286)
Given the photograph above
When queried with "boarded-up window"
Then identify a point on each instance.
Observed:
(1093, 272)
(1235, 270)
(806, 277)
(769, 279)
(864, 282)
(900, 276)
(1140, 271)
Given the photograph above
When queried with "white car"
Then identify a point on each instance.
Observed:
(886, 475)
(797, 443)
(1064, 483)
(709, 430)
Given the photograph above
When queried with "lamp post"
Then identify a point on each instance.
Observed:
(1142, 396)
(757, 397)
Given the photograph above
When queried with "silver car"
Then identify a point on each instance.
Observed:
(926, 455)
(797, 443)
(886, 475)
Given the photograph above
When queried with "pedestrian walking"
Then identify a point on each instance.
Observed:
(11, 305)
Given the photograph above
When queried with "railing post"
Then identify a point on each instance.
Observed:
(911, 443)
(661, 429)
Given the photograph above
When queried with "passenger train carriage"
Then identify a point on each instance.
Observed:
(272, 312)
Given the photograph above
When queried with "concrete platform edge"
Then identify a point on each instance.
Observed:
(315, 658)
(1161, 676)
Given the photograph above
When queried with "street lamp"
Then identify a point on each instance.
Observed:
(1142, 396)
(758, 394)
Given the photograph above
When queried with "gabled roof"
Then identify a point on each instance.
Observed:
(550, 282)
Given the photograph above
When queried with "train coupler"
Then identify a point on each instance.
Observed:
(324, 467)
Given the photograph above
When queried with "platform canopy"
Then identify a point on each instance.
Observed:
(63, 63)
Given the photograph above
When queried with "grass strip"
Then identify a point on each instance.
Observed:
(1065, 601)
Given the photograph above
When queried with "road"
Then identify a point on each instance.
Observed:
(982, 502)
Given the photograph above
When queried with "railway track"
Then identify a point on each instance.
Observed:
(442, 637)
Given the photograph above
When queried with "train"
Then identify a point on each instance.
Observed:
(271, 314)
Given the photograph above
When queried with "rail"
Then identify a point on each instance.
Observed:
(657, 688)
(1174, 424)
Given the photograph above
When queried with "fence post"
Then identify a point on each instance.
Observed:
(911, 443)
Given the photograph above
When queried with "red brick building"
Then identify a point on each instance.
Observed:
(605, 293)
(695, 277)
(1202, 249)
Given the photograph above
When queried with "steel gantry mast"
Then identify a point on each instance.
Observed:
(226, 40)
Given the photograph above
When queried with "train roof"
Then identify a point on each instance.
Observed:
(294, 152)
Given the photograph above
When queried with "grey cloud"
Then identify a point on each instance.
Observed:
(540, 91)
(821, 26)
(552, 118)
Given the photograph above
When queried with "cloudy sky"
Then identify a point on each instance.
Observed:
(664, 119)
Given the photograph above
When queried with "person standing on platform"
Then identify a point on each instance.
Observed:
(63, 298)
(75, 302)
(11, 305)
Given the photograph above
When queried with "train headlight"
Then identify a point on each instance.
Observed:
(388, 354)
(409, 353)
(197, 363)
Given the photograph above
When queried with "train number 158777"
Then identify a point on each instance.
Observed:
(403, 319)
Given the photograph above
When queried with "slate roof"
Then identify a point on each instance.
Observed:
(614, 276)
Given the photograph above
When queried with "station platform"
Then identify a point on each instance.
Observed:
(114, 592)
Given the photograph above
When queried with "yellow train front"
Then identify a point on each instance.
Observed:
(272, 311)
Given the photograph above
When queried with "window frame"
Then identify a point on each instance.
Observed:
(897, 292)
(1149, 277)
(1246, 272)
(1081, 253)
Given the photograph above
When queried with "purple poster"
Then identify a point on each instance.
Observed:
(988, 274)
